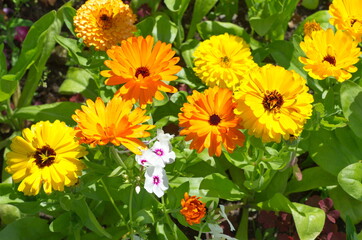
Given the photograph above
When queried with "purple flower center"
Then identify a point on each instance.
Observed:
(158, 152)
(156, 180)
(143, 161)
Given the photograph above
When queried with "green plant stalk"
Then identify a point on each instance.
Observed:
(118, 159)
(112, 200)
(130, 204)
(168, 220)
(242, 232)
(201, 228)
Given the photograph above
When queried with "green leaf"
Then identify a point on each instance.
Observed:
(79, 80)
(187, 50)
(62, 223)
(32, 47)
(221, 187)
(309, 221)
(159, 26)
(350, 230)
(310, 4)
(36, 70)
(228, 8)
(346, 205)
(210, 28)
(81, 208)
(176, 5)
(334, 150)
(282, 52)
(73, 49)
(351, 100)
(350, 180)
(68, 15)
(29, 228)
(3, 64)
(314, 177)
(9, 213)
(53, 111)
(201, 8)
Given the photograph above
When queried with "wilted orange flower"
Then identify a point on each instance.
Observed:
(115, 123)
(193, 209)
(142, 67)
(347, 15)
(310, 27)
(209, 121)
(104, 23)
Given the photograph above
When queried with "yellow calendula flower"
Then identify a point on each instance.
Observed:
(104, 23)
(143, 67)
(273, 103)
(223, 61)
(330, 54)
(116, 123)
(208, 120)
(347, 15)
(47, 154)
(310, 27)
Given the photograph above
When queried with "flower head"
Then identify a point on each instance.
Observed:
(209, 121)
(223, 60)
(160, 154)
(193, 209)
(114, 123)
(156, 181)
(142, 67)
(104, 23)
(347, 15)
(273, 103)
(45, 155)
(310, 27)
(329, 54)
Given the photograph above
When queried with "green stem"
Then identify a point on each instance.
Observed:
(242, 233)
(130, 210)
(168, 219)
(201, 228)
(112, 200)
(118, 159)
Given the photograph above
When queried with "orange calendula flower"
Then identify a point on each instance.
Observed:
(114, 123)
(330, 54)
(142, 67)
(193, 209)
(310, 27)
(45, 156)
(347, 15)
(104, 23)
(208, 120)
(274, 103)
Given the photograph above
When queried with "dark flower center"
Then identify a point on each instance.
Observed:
(330, 59)
(156, 180)
(353, 21)
(214, 120)
(105, 19)
(272, 101)
(225, 61)
(44, 157)
(143, 71)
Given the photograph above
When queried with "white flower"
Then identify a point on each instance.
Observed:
(163, 151)
(156, 181)
(163, 137)
(137, 189)
(149, 158)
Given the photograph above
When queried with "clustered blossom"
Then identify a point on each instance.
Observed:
(155, 159)
(192, 209)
